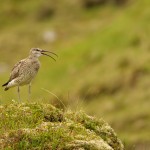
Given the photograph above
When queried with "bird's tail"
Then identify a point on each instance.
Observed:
(6, 88)
(5, 84)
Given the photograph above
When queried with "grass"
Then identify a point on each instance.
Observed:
(42, 126)
(103, 62)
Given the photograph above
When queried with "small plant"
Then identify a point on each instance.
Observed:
(42, 126)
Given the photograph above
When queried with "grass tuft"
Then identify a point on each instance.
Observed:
(42, 126)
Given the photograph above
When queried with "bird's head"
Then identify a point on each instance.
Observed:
(37, 52)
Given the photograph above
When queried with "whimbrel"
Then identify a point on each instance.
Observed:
(25, 70)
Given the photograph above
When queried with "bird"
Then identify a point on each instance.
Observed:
(26, 69)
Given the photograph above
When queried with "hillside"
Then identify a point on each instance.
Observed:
(103, 64)
(42, 126)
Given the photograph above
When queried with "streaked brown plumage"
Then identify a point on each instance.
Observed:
(25, 70)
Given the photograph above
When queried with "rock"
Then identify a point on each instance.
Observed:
(49, 36)
(42, 126)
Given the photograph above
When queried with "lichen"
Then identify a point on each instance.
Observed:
(42, 126)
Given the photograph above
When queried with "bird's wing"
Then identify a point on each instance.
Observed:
(15, 71)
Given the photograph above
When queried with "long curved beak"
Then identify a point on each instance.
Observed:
(44, 53)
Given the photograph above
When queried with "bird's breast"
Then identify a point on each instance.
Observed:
(31, 69)
(35, 65)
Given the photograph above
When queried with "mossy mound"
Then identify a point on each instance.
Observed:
(42, 126)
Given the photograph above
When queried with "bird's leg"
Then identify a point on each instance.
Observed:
(29, 91)
(19, 94)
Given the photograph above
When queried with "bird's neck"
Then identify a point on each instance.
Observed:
(33, 57)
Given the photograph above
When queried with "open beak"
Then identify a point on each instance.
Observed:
(44, 53)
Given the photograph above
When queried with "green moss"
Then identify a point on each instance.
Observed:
(42, 126)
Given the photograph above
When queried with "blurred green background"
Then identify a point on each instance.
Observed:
(104, 58)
